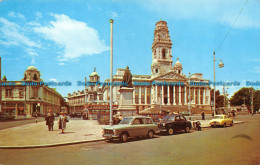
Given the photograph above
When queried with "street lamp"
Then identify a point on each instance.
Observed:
(189, 99)
(111, 72)
(220, 65)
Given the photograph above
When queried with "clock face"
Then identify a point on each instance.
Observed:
(163, 35)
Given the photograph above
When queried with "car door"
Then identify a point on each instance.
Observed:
(177, 123)
(149, 125)
(137, 127)
(182, 123)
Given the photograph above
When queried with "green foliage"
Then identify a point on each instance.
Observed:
(244, 95)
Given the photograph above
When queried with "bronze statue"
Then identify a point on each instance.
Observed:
(127, 78)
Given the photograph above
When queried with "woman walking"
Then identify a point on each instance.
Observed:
(62, 122)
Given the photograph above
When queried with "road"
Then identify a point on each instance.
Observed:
(237, 145)
(13, 123)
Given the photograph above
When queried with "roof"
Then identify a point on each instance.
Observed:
(32, 68)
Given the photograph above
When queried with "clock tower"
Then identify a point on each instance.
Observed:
(161, 49)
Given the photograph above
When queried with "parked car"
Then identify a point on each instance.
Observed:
(38, 114)
(173, 123)
(221, 120)
(185, 113)
(132, 126)
(7, 116)
(76, 115)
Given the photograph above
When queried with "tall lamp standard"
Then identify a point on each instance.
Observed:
(189, 99)
(220, 65)
(111, 71)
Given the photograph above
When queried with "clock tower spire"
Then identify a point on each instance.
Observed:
(161, 49)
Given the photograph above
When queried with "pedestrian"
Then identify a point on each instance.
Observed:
(62, 122)
(50, 120)
(203, 115)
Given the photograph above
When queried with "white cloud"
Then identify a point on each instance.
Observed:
(15, 15)
(53, 79)
(38, 15)
(74, 37)
(61, 63)
(12, 35)
(257, 69)
(222, 11)
(114, 15)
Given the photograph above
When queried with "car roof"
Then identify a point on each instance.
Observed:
(137, 117)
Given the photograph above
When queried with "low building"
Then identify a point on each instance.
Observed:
(29, 96)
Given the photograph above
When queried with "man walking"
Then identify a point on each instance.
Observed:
(50, 120)
(203, 115)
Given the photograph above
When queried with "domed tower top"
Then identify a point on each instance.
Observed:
(94, 77)
(32, 74)
(178, 67)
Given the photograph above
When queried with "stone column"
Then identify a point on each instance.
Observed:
(162, 96)
(199, 96)
(140, 95)
(185, 95)
(156, 91)
(204, 96)
(134, 96)
(180, 95)
(145, 95)
(173, 94)
(168, 95)
(194, 95)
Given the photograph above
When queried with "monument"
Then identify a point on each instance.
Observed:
(126, 107)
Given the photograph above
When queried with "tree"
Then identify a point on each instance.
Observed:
(244, 96)
(219, 98)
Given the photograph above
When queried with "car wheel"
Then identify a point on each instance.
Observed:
(231, 123)
(150, 134)
(170, 131)
(187, 129)
(124, 137)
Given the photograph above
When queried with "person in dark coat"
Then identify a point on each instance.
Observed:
(203, 115)
(50, 120)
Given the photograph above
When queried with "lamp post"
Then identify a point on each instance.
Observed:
(111, 71)
(220, 65)
(189, 99)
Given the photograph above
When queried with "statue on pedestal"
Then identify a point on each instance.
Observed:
(127, 78)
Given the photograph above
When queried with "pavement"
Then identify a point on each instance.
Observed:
(37, 135)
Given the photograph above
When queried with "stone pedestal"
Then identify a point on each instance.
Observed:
(126, 107)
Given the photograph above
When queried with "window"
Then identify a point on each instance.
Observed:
(177, 118)
(35, 77)
(182, 118)
(21, 93)
(148, 121)
(163, 54)
(9, 93)
(138, 121)
(136, 95)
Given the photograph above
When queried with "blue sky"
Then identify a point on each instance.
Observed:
(66, 39)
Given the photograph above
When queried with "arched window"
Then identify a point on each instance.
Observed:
(35, 77)
(163, 54)
(156, 70)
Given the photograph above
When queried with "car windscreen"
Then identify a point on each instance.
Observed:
(218, 117)
(169, 117)
(126, 121)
